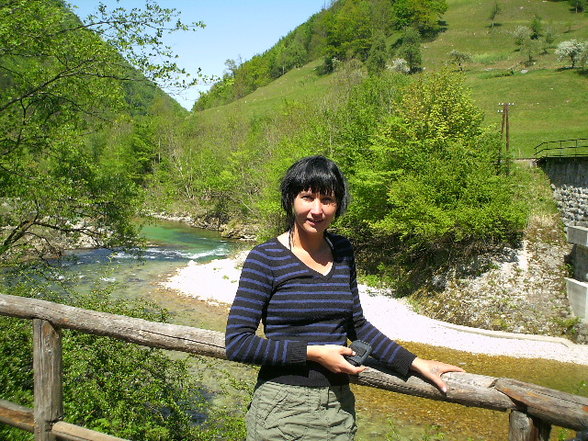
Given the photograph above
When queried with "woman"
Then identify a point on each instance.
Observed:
(302, 286)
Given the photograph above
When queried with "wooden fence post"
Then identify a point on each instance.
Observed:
(47, 368)
(526, 428)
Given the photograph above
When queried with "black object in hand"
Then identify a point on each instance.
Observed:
(362, 351)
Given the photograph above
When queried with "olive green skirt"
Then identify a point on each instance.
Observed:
(298, 413)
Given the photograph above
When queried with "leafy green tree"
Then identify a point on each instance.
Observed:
(61, 81)
(424, 15)
(547, 40)
(521, 34)
(349, 31)
(410, 49)
(536, 27)
(459, 58)
(287, 57)
(578, 5)
(376, 61)
(530, 49)
(428, 185)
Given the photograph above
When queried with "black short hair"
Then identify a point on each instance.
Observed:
(320, 175)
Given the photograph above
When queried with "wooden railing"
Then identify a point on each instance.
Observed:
(533, 409)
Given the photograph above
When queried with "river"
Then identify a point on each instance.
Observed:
(382, 415)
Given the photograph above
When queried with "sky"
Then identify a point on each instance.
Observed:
(235, 29)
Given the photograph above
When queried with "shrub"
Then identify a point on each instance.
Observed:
(119, 388)
(572, 49)
(399, 65)
(429, 185)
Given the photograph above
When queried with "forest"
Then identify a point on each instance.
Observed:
(90, 145)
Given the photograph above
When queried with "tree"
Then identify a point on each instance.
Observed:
(530, 48)
(494, 12)
(521, 34)
(428, 186)
(410, 49)
(376, 61)
(547, 40)
(424, 15)
(578, 5)
(459, 58)
(232, 66)
(571, 49)
(536, 28)
(349, 31)
(62, 79)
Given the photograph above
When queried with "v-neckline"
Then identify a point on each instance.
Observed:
(324, 276)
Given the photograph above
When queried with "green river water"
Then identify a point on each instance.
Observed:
(380, 413)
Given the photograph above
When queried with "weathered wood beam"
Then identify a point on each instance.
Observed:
(463, 388)
(72, 432)
(143, 332)
(22, 418)
(558, 408)
(47, 370)
(17, 416)
(525, 428)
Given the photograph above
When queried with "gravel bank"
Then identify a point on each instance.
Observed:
(216, 282)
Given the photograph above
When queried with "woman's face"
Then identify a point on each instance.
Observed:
(314, 212)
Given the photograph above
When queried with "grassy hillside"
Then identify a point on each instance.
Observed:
(297, 85)
(550, 100)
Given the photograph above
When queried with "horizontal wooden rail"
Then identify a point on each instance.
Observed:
(134, 330)
(527, 401)
(17, 416)
(23, 418)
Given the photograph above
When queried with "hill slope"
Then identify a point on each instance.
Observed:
(549, 100)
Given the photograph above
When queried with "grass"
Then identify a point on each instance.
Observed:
(299, 85)
(550, 102)
(548, 105)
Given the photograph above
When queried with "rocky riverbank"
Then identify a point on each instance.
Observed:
(524, 292)
(227, 230)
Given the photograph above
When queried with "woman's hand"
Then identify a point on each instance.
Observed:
(331, 357)
(432, 370)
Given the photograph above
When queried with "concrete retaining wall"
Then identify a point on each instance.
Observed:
(569, 180)
(578, 286)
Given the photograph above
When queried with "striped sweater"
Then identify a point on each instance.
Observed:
(298, 307)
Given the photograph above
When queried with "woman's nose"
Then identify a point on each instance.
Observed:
(316, 207)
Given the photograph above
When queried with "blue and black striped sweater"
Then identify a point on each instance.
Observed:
(298, 307)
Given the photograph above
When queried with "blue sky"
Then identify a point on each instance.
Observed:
(235, 29)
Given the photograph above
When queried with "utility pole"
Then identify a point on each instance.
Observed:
(505, 130)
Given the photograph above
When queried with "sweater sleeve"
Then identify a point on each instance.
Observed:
(384, 349)
(251, 300)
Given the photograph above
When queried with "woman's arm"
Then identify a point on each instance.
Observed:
(390, 352)
(254, 292)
